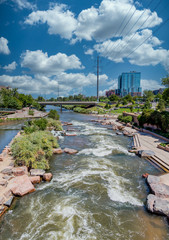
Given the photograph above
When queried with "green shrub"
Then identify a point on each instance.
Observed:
(54, 123)
(125, 119)
(35, 150)
(53, 114)
(31, 112)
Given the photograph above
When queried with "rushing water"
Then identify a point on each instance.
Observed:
(96, 194)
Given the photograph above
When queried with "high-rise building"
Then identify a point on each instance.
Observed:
(129, 83)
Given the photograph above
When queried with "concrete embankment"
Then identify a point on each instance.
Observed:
(158, 199)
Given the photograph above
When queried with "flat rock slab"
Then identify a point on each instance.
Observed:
(70, 151)
(158, 205)
(160, 190)
(37, 172)
(57, 151)
(153, 179)
(19, 171)
(21, 185)
(71, 134)
(2, 200)
(7, 171)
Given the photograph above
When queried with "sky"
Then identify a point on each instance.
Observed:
(50, 48)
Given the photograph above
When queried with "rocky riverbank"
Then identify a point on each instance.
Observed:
(18, 181)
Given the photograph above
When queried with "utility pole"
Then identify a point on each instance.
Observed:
(98, 61)
(58, 90)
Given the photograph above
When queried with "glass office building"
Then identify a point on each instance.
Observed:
(129, 83)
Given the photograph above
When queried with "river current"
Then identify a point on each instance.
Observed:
(96, 194)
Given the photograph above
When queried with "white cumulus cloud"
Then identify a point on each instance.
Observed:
(59, 19)
(4, 46)
(10, 67)
(39, 62)
(150, 51)
(40, 84)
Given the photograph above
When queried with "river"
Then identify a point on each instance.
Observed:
(96, 194)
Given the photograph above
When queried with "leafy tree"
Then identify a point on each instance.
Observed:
(165, 96)
(165, 81)
(40, 99)
(147, 105)
(161, 105)
(148, 95)
(113, 98)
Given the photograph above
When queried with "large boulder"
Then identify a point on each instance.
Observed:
(19, 171)
(21, 185)
(158, 205)
(160, 190)
(35, 179)
(70, 151)
(57, 151)
(37, 172)
(47, 177)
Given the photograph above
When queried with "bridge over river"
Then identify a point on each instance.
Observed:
(61, 103)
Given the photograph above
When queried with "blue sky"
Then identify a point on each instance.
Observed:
(46, 45)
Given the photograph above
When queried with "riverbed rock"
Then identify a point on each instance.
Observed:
(2, 200)
(35, 179)
(145, 175)
(121, 127)
(115, 127)
(37, 172)
(8, 194)
(2, 210)
(158, 205)
(1, 158)
(71, 134)
(21, 185)
(47, 177)
(9, 201)
(3, 183)
(153, 179)
(57, 151)
(160, 190)
(7, 171)
(70, 151)
(150, 202)
(19, 171)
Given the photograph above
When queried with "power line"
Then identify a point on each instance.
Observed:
(138, 29)
(125, 26)
(148, 37)
(121, 24)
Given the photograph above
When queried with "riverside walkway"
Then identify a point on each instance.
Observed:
(147, 141)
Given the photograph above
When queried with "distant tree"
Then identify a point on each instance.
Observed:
(148, 95)
(165, 96)
(147, 105)
(113, 98)
(128, 98)
(161, 105)
(40, 99)
(165, 81)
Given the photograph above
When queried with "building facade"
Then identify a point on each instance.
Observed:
(129, 83)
